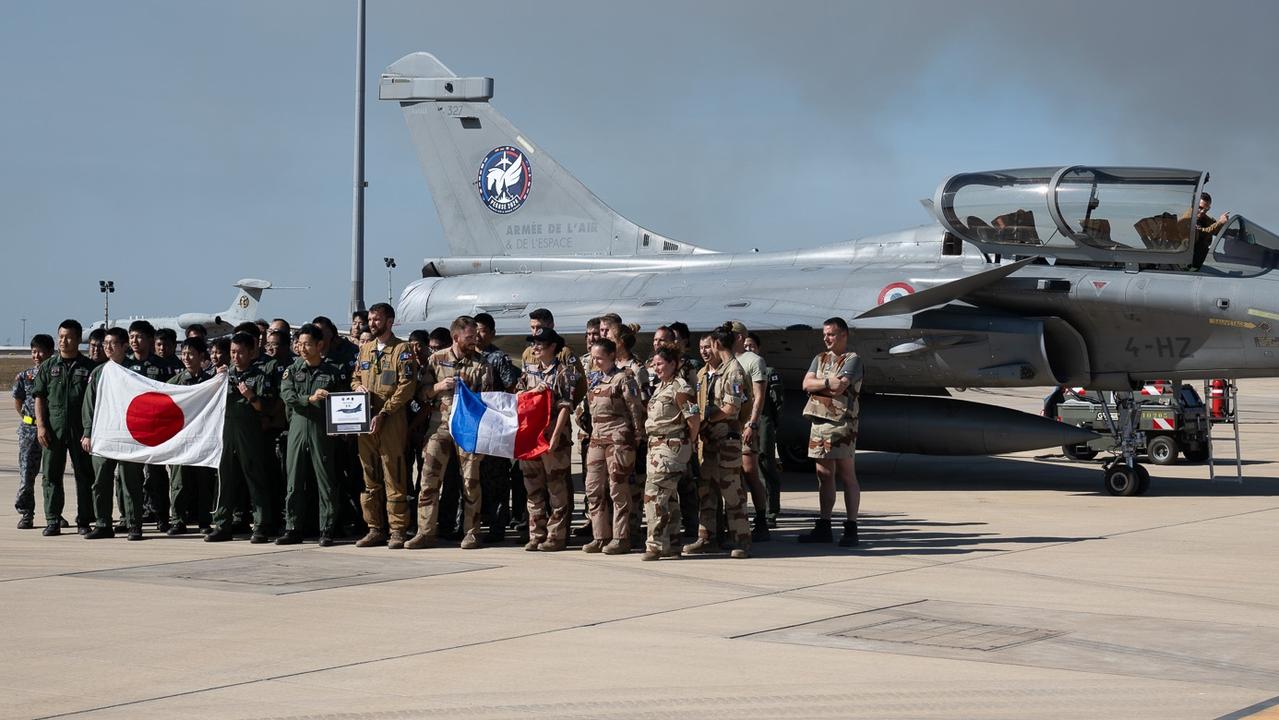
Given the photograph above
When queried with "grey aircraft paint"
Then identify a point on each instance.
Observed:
(1030, 277)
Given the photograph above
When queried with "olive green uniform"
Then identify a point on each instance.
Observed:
(245, 453)
(62, 382)
(191, 487)
(309, 455)
(104, 471)
(390, 376)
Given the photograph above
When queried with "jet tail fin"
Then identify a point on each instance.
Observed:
(245, 305)
(495, 191)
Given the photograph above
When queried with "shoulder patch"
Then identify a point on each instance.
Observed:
(364, 364)
(406, 355)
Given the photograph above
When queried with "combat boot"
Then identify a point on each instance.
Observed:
(739, 554)
(100, 533)
(420, 541)
(374, 537)
(178, 528)
(26, 522)
(51, 529)
(700, 546)
(593, 546)
(326, 540)
(533, 545)
(471, 542)
(551, 546)
(849, 538)
(259, 537)
(290, 537)
(819, 534)
(617, 547)
(651, 554)
(120, 527)
(219, 534)
(135, 532)
(396, 541)
(760, 532)
(674, 552)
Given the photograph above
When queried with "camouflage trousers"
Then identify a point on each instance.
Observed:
(721, 472)
(435, 460)
(667, 460)
(609, 465)
(28, 467)
(384, 500)
(546, 480)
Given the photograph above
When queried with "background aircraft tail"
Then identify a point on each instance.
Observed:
(244, 307)
(495, 191)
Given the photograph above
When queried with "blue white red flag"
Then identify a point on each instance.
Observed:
(501, 424)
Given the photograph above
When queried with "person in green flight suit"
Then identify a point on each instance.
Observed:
(310, 452)
(245, 453)
(59, 391)
(113, 345)
(191, 487)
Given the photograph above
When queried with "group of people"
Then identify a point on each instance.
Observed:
(673, 444)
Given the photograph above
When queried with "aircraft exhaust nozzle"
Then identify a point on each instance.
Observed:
(943, 426)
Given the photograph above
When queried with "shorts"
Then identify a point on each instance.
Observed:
(831, 441)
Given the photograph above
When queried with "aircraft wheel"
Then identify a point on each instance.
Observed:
(1143, 480)
(1078, 453)
(1162, 450)
(1122, 480)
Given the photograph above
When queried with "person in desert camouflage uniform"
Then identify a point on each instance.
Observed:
(672, 421)
(723, 395)
(617, 428)
(546, 476)
(436, 382)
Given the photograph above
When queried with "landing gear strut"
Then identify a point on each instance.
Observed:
(1124, 476)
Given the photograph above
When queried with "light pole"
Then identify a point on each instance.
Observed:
(357, 211)
(390, 264)
(24, 330)
(106, 287)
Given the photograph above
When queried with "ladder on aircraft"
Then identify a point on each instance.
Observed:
(1223, 408)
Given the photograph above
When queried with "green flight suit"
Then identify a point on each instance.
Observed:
(310, 455)
(104, 471)
(191, 487)
(245, 453)
(62, 383)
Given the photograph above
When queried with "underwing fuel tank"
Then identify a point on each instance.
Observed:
(943, 426)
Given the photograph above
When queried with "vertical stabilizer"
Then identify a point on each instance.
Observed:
(496, 192)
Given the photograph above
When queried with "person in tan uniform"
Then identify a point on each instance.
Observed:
(437, 380)
(623, 336)
(833, 383)
(546, 477)
(617, 429)
(673, 421)
(387, 371)
(724, 407)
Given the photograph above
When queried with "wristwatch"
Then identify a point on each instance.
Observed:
(752, 425)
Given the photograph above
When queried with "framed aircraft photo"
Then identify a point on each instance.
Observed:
(347, 413)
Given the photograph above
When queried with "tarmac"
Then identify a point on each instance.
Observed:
(1004, 587)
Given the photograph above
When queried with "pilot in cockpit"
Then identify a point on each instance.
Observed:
(1205, 229)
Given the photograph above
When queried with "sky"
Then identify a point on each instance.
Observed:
(175, 147)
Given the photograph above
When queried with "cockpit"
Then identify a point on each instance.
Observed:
(1127, 216)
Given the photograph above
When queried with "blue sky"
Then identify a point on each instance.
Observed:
(175, 147)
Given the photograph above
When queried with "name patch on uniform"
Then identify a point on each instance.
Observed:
(406, 355)
(364, 365)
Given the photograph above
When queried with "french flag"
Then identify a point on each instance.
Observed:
(499, 423)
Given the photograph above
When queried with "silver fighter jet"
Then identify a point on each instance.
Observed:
(1030, 277)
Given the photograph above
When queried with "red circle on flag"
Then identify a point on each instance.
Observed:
(153, 418)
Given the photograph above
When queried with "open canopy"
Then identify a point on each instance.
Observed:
(1097, 214)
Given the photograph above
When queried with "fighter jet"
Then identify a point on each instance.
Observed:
(1029, 277)
(243, 309)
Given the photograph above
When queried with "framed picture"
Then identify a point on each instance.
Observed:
(347, 413)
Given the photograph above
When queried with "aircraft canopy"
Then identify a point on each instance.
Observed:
(1099, 214)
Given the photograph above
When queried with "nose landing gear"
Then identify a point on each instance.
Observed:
(1123, 475)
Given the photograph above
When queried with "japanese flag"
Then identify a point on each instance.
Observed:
(140, 420)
